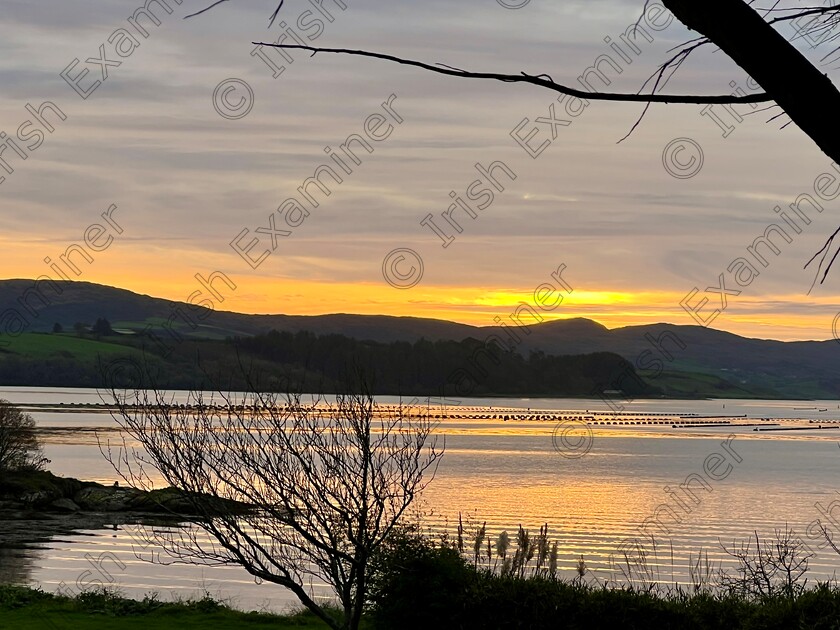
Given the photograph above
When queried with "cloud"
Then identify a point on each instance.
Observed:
(149, 139)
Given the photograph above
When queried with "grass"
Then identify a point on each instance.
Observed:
(24, 608)
(67, 345)
(689, 379)
(201, 331)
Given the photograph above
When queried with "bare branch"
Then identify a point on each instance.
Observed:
(824, 250)
(205, 9)
(541, 80)
(218, 2)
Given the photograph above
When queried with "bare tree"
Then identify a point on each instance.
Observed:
(323, 484)
(768, 568)
(19, 446)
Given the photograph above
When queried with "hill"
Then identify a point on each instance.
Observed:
(681, 360)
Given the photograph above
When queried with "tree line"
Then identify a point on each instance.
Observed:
(304, 361)
(445, 367)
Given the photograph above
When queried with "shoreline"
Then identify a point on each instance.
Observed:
(36, 506)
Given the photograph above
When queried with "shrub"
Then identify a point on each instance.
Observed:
(421, 584)
(19, 445)
(416, 584)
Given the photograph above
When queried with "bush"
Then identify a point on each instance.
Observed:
(419, 584)
(19, 445)
(13, 596)
(416, 584)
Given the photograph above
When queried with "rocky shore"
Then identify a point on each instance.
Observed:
(37, 505)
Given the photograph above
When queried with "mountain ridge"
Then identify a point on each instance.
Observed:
(797, 369)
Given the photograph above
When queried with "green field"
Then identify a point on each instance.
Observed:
(201, 331)
(66, 345)
(699, 385)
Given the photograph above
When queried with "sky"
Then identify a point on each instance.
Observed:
(201, 141)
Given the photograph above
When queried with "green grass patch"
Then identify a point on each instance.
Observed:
(158, 324)
(70, 346)
(24, 608)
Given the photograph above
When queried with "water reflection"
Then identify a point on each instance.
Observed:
(507, 473)
(16, 565)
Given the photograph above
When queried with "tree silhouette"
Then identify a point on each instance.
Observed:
(19, 445)
(326, 483)
(102, 327)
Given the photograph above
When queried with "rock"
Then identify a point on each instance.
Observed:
(44, 492)
(101, 499)
(36, 487)
(37, 498)
(65, 505)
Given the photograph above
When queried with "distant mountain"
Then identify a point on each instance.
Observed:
(794, 369)
(692, 361)
(84, 302)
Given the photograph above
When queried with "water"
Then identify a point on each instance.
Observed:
(507, 474)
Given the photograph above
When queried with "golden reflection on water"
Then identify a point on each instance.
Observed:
(509, 473)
